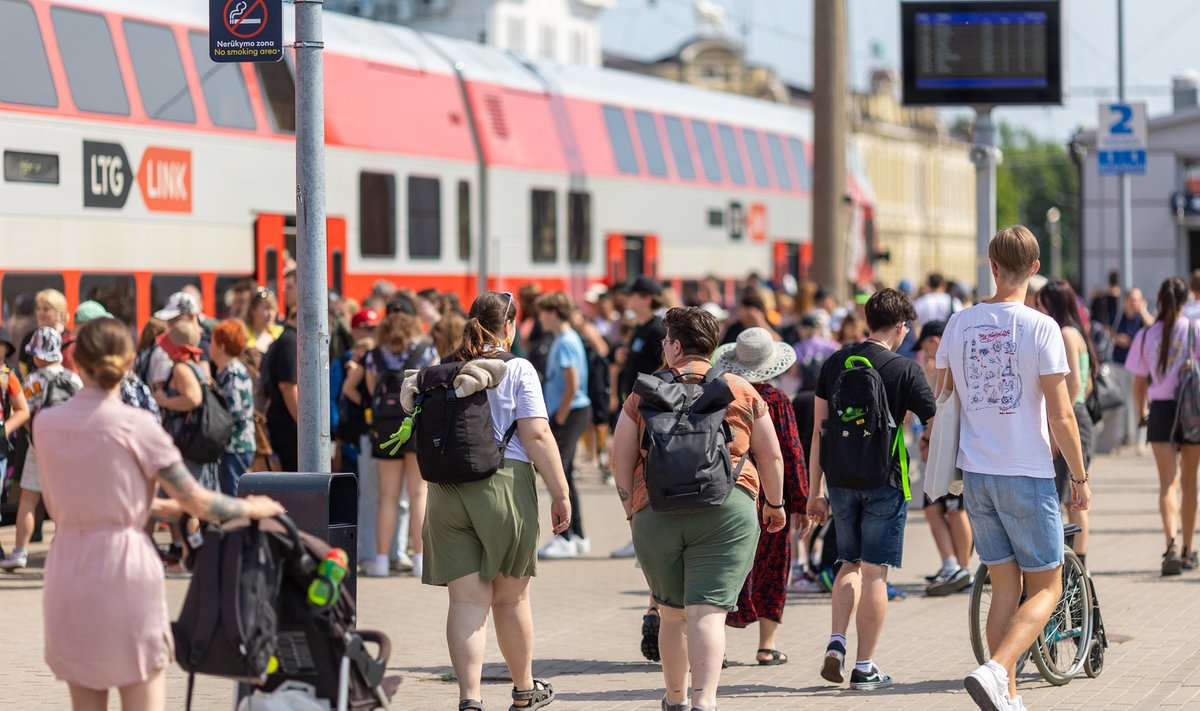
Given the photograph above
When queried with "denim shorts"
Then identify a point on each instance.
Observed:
(869, 524)
(1015, 518)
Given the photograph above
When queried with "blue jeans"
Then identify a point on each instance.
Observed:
(869, 524)
(230, 470)
(1015, 518)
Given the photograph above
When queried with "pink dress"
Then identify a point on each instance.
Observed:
(105, 604)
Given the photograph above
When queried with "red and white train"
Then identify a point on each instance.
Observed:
(134, 165)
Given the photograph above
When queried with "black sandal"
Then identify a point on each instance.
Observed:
(777, 658)
(650, 625)
(540, 695)
(470, 705)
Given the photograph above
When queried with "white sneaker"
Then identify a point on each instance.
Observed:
(376, 568)
(624, 552)
(1018, 704)
(418, 565)
(558, 548)
(13, 561)
(988, 687)
(583, 546)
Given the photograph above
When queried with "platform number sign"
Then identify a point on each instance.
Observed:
(245, 30)
(1122, 139)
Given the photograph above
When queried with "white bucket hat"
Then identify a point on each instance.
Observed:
(756, 356)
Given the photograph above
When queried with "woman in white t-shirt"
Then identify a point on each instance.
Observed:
(481, 536)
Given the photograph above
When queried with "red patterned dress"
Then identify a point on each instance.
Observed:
(765, 591)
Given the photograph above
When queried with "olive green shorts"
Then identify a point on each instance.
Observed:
(699, 558)
(489, 527)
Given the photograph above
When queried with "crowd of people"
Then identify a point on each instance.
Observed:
(771, 379)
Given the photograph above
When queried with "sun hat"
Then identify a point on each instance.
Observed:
(90, 310)
(184, 333)
(756, 356)
(46, 344)
(179, 304)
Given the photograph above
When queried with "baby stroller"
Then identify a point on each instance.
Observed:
(247, 616)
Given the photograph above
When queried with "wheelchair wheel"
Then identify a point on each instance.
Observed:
(1095, 660)
(981, 602)
(1064, 645)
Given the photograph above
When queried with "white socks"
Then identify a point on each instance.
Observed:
(949, 565)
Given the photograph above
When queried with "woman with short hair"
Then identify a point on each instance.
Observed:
(229, 341)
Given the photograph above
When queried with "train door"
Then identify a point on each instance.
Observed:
(791, 258)
(631, 256)
(275, 249)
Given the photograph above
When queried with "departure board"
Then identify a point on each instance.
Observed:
(982, 52)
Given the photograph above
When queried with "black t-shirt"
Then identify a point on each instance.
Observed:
(279, 366)
(903, 380)
(645, 355)
(732, 332)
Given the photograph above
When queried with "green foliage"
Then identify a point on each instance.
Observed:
(1036, 175)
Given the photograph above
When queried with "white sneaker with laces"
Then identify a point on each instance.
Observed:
(13, 561)
(376, 568)
(558, 548)
(1018, 704)
(988, 687)
(583, 546)
(626, 551)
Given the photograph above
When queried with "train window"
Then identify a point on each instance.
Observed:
(733, 158)
(159, 71)
(708, 153)
(224, 87)
(26, 77)
(464, 220)
(424, 218)
(579, 228)
(545, 226)
(782, 175)
(18, 292)
(679, 148)
(116, 292)
(337, 280)
(87, 52)
(621, 140)
(377, 214)
(757, 165)
(800, 160)
(271, 269)
(651, 145)
(280, 90)
(163, 285)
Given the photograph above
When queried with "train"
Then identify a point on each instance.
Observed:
(134, 165)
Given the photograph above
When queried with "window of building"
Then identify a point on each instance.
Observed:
(708, 153)
(544, 224)
(516, 34)
(783, 177)
(224, 87)
(716, 218)
(86, 46)
(656, 165)
(18, 291)
(163, 285)
(464, 220)
(621, 140)
(733, 158)
(758, 167)
(548, 43)
(26, 77)
(159, 72)
(377, 214)
(800, 161)
(579, 228)
(424, 217)
(679, 148)
(116, 292)
(280, 90)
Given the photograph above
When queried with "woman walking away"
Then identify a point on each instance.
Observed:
(760, 359)
(697, 562)
(105, 603)
(1157, 357)
(228, 342)
(481, 536)
(1058, 301)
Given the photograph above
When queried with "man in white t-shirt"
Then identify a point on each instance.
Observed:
(1009, 366)
(937, 304)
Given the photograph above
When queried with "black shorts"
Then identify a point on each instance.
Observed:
(1161, 424)
(950, 501)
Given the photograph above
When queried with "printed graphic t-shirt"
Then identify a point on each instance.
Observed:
(997, 354)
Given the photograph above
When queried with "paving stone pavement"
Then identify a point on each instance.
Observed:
(587, 615)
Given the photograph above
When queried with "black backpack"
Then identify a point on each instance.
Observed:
(206, 430)
(688, 466)
(386, 411)
(599, 389)
(455, 437)
(861, 438)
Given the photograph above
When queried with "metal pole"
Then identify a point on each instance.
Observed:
(311, 277)
(829, 147)
(1053, 226)
(985, 157)
(1124, 192)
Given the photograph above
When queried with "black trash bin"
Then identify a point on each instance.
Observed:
(325, 505)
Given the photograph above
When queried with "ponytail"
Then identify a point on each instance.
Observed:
(1171, 296)
(483, 332)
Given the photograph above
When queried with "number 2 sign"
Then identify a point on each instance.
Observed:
(1122, 139)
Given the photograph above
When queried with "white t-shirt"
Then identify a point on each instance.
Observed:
(936, 306)
(997, 354)
(518, 396)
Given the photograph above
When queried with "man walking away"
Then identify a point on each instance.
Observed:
(1009, 365)
(863, 395)
(280, 383)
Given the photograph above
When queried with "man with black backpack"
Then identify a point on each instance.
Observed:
(862, 396)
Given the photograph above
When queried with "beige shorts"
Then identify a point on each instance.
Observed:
(30, 480)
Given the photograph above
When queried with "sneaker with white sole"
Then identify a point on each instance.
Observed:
(626, 551)
(833, 668)
(14, 561)
(376, 568)
(418, 566)
(559, 548)
(876, 679)
(583, 546)
(402, 564)
(988, 687)
(949, 583)
(1018, 704)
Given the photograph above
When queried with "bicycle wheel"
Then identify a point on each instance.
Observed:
(981, 603)
(1062, 647)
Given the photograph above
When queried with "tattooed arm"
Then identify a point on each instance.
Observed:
(180, 485)
(624, 458)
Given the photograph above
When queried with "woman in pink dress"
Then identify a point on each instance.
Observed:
(105, 606)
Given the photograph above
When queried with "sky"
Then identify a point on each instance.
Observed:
(1159, 43)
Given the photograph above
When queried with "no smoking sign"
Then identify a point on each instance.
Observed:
(245, 30)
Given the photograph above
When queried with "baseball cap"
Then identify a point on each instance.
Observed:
(46, 344)
(933, 329)
(181, 303)
(643, 285)
(594, 293)
(90, 310)
(364, 319)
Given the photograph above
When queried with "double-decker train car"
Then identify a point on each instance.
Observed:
(134, 165)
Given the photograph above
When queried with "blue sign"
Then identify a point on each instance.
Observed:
(245, 30)
(1122, 139)
(1119, 162)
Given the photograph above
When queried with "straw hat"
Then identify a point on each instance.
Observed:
(756, 356)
